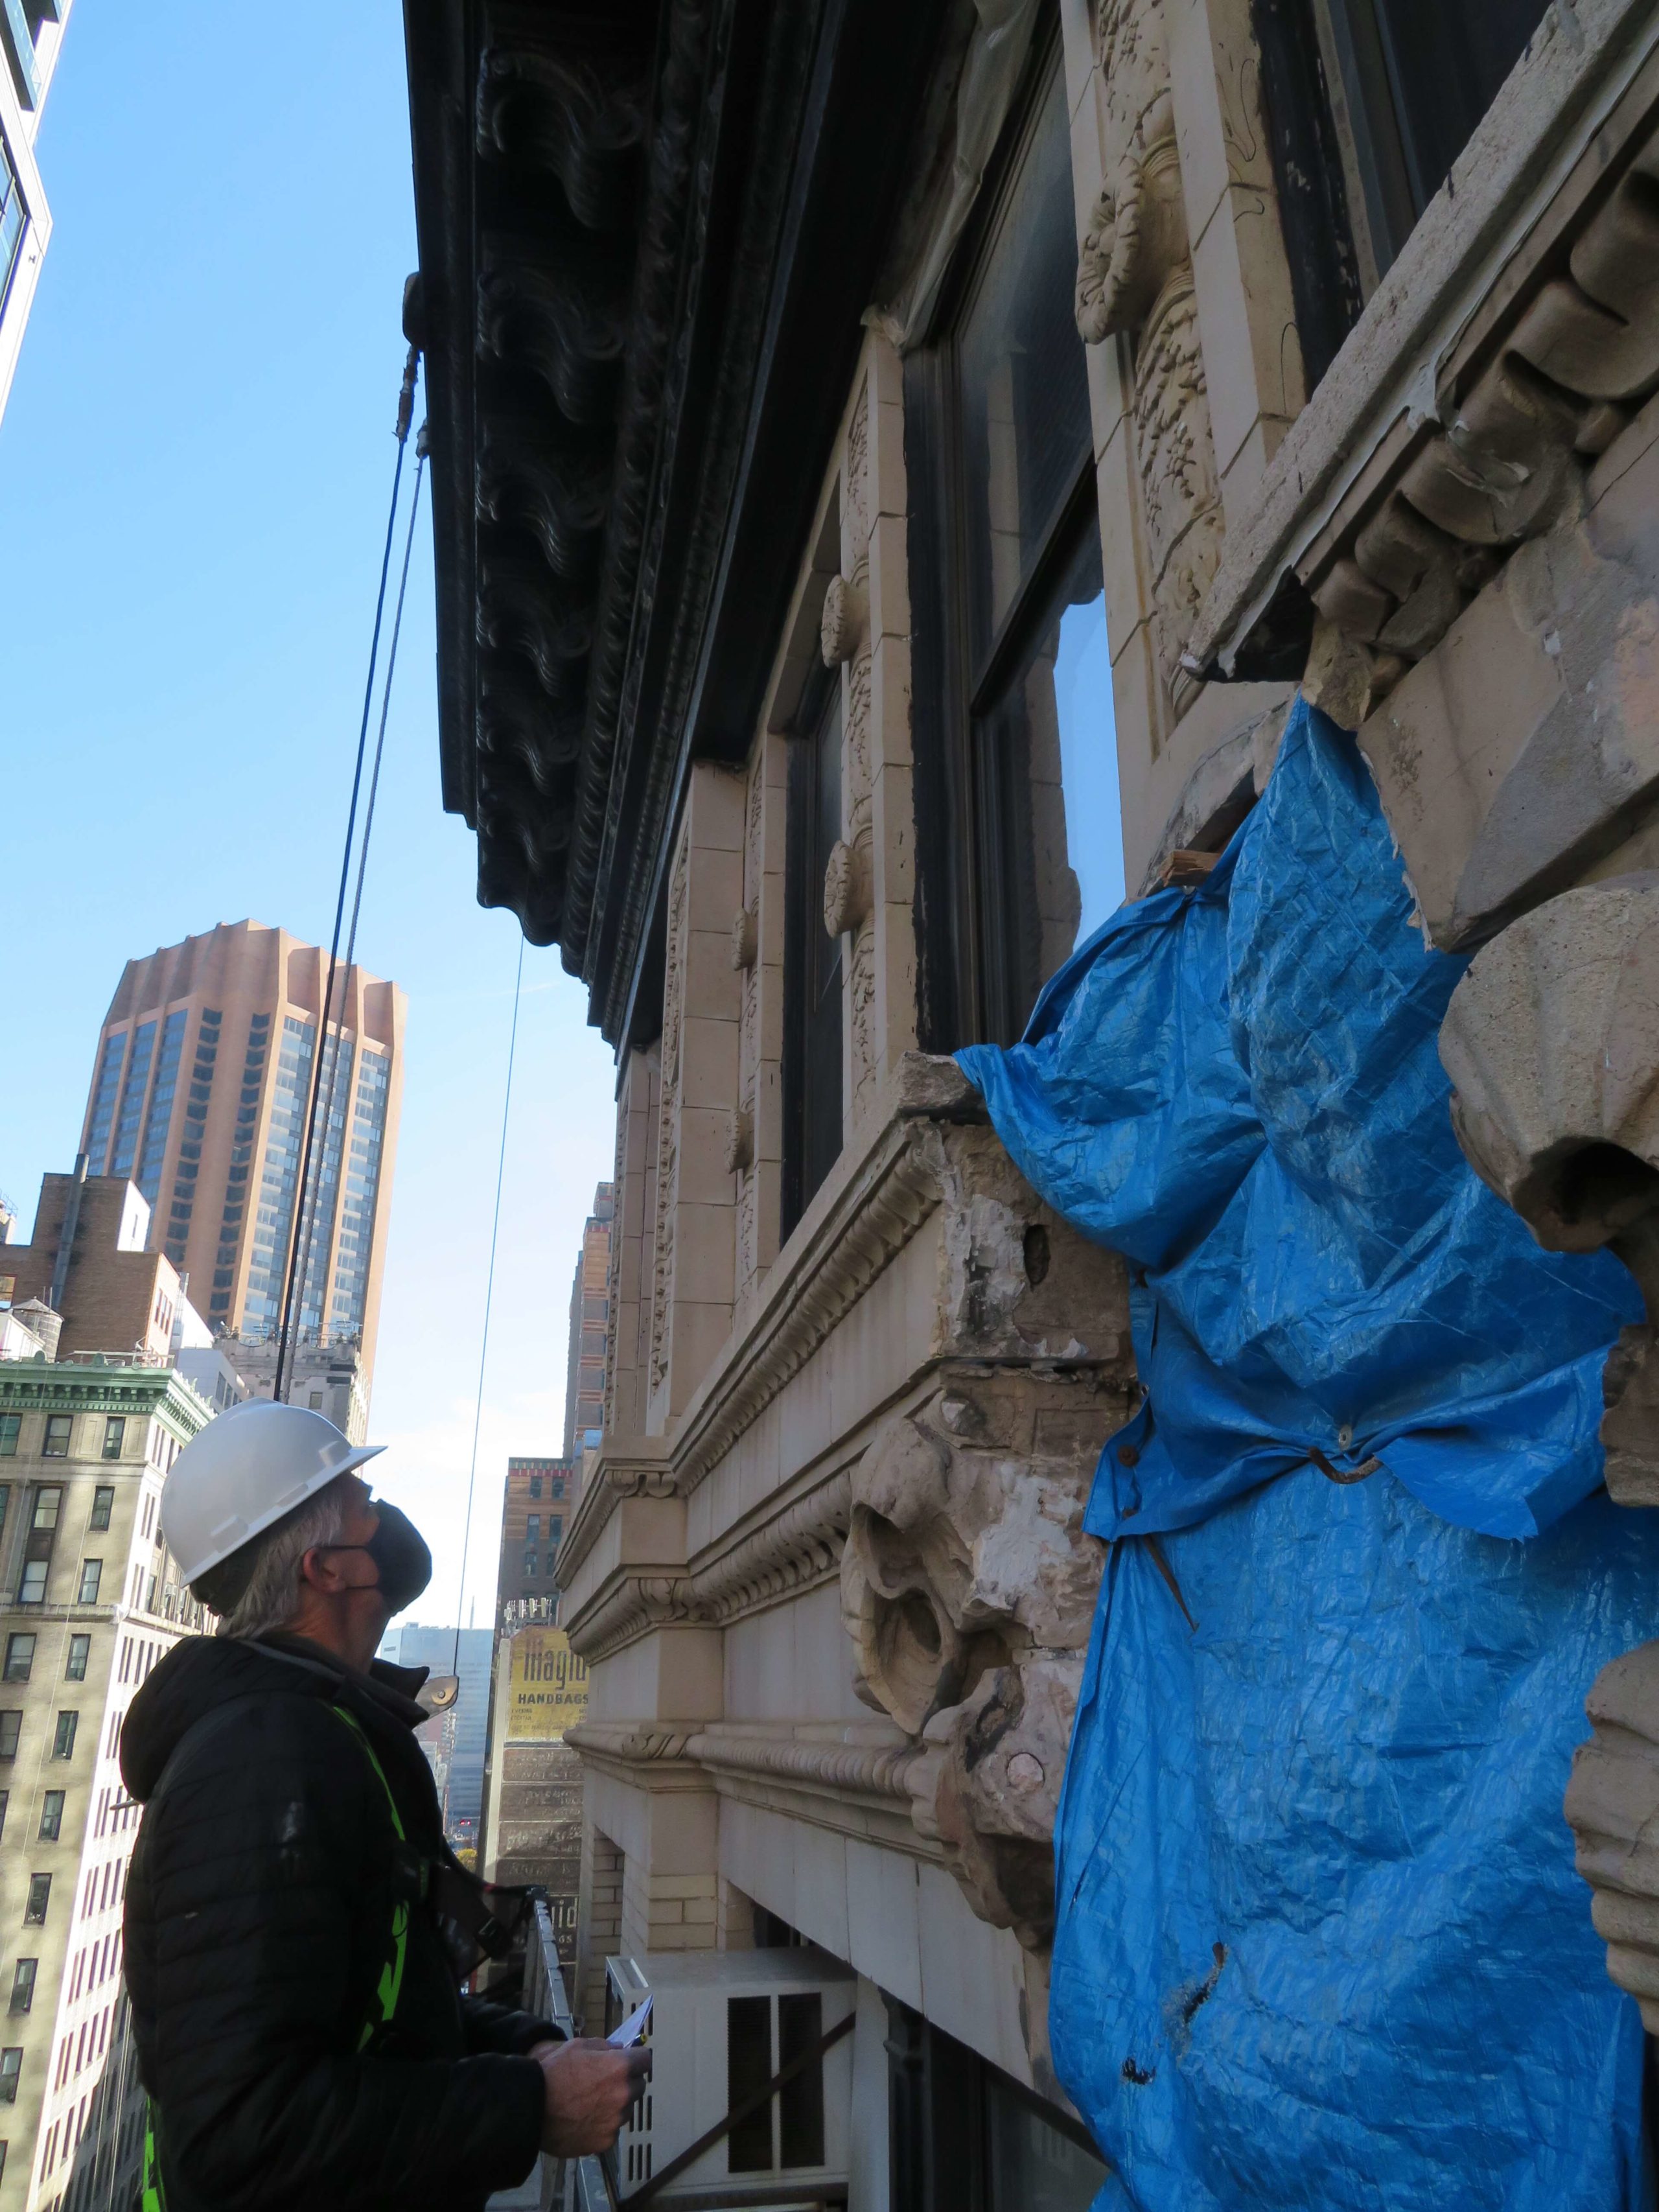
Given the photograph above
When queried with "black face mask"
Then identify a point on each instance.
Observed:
(400, 1552)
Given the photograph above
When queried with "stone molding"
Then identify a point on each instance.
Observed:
(1561, 120)
(630, 1608)
(792, 1553)
(628, 1466)
(867, 1770)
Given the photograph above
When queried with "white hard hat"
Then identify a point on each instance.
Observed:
(256, 1462)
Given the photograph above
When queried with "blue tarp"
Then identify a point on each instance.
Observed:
(1321, 1943)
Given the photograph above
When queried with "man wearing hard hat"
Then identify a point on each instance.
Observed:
(295, 1926)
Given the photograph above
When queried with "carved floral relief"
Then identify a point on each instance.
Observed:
(1135, 280)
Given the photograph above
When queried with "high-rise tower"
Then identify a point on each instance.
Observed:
(199, 1093)
(31, 38)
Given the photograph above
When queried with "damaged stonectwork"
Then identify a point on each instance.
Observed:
(968, 1590)
(1552, 1042)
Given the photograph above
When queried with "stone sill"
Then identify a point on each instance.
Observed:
(1384, 382)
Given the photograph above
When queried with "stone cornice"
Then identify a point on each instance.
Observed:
(28, 1386)
(628, 1466)
(859, 1223)
(793, 1552)
(869, 1770)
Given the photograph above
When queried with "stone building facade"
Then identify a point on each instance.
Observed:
(887, 492)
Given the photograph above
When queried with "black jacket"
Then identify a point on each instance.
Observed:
(258, 1919)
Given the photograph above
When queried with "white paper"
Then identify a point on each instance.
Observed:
(623, 2037)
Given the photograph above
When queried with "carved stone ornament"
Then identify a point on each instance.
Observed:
(1612, 1809)
(846, 888)
(1179, 485)
(746, 939)
(1552, 1042)
(845, 621)
(968, 1590)
(1137, 230)
(537, 107)
(1509, 462)
(740, 1141)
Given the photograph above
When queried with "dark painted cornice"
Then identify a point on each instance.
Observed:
(647, 234)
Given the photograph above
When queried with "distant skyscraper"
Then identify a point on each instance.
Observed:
(590, 1314)
(31, 36)
(199, 1094)
(457, 1736)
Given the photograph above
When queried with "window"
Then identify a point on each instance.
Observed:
(9, 1426)
(57, 1444)
(558, 1485)
(981, 2138)
(32, 1590)
(1368, 104)
(115, 1430)
(92, 1573)
(20, 1656)
(5, 1795)
(63, 1741)
(79, 1648)
(811, 957)
(34, 1912)
(1414, 76)
(532, 1528)
(11, 2065)
(11, 1725)
(1019, 832)
(22, 1984)
(534, 1485)
(530, 1566)
(52, 1816)
(555, 1531)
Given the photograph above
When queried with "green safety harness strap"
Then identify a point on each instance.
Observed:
(387, 1991)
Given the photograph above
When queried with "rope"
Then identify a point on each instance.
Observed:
(490, 1293)
(362, 865)
(405, 408)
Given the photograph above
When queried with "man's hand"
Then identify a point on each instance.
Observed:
(590, 2088)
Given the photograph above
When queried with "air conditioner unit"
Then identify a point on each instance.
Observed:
(722, 2025)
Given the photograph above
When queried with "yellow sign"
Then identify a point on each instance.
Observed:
(549, 1686)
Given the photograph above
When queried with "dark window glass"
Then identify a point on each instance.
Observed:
(749, 2069)
(63, 1741)
(1034, 2168)
(812, 961)
(10, 1725)
(115, 1428)
(534, 1485)
(11, 2065)
(801, 2102)
(103, 1498)
(5, 1795)
(9, 1426)
(20, 1656)
(34, 1912)
(32, 1590)
(1019, 830)
(52, 1816)
(47, 1500)
(22, 1984)
(1408, 80)
(1021, 379)
(80, 1647)
(57, 1444)
(92, 1573)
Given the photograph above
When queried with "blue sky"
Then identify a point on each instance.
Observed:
(194, 467)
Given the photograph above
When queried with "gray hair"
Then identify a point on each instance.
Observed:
(270, 1596)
